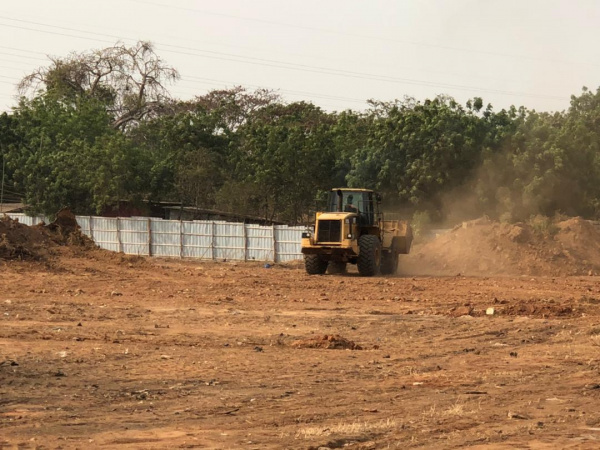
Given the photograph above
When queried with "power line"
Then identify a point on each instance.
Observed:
(18, 194)
(361, 36)
(21, 56)
(10, 68)
(223, 82)
(187, 40)
(214, 82)
(299, 67)
(22, 50)
(286, 91)
(8, 78)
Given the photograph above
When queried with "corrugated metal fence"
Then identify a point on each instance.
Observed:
(203, 239)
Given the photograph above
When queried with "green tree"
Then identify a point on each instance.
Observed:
(67, 154)
(8, 138)
(287, 154)
(188, 154)
(414, 151)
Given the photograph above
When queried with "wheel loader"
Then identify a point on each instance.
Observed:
(353, 231)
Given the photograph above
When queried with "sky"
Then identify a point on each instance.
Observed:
(336, 54)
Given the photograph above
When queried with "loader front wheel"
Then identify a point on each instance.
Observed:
(369, 255)
(315, 265)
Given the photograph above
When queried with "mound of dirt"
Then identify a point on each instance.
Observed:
(327, 341)
(18, 241)
(536, 310)
(66, 231)
(483, 247)
(22, 242)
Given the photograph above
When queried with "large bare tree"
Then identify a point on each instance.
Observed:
(130, 80)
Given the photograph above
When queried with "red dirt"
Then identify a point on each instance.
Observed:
(483, 247)
(326, 341)
(102, 350)
(18, 241)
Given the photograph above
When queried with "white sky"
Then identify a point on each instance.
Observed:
(335, 53)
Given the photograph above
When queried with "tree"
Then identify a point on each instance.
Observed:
(8, 137)
(130, 81)
(287, 154)
(188, 153)
(414, 151)
(236, 105)
(67, 154)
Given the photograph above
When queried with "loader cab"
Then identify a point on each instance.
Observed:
(363, 202)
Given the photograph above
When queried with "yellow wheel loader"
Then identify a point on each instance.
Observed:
(353, 230)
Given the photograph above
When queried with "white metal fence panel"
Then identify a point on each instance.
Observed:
(229, 241)
(28, 220)
(288, 243)
(134, 235)
(188, 239)
(198, 240)
(84, 224)
(165, 237)
(259, 243)
(103, 230)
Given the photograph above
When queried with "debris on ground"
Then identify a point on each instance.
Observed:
(327, 341)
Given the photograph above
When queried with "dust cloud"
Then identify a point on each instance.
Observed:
(489, 227)
(483, 247)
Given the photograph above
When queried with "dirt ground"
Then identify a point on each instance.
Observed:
(103, 350)
(100, 351)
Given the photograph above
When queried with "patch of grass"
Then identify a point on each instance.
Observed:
(347, 429)
(543, 226)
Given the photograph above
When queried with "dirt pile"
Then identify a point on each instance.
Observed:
(327, 341)
(66, 231)
(18, 241)
(22, 242)
(483, 247)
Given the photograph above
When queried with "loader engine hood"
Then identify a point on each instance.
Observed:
(333, 227)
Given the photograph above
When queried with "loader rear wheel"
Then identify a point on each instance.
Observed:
(389, 263)
(336, 268)
(369, 255)
(315, 265)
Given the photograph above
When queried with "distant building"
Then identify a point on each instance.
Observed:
(193, 213)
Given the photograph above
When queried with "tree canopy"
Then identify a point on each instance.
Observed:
(100, 127)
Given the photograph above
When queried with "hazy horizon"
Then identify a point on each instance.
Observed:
(335, 54)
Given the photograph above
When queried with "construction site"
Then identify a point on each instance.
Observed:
(486, 337)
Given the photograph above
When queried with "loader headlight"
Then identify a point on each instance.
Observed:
(306, 234)
(349, 236)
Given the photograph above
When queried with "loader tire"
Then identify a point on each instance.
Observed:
(389, 263)
(369, 255)
(314, 265)
(336, 268)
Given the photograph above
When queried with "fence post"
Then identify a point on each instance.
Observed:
(149, 236)
(92, 230)
(213, 240)
(119, 235)
(181, 238)
(274, 245)
(245, 238)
